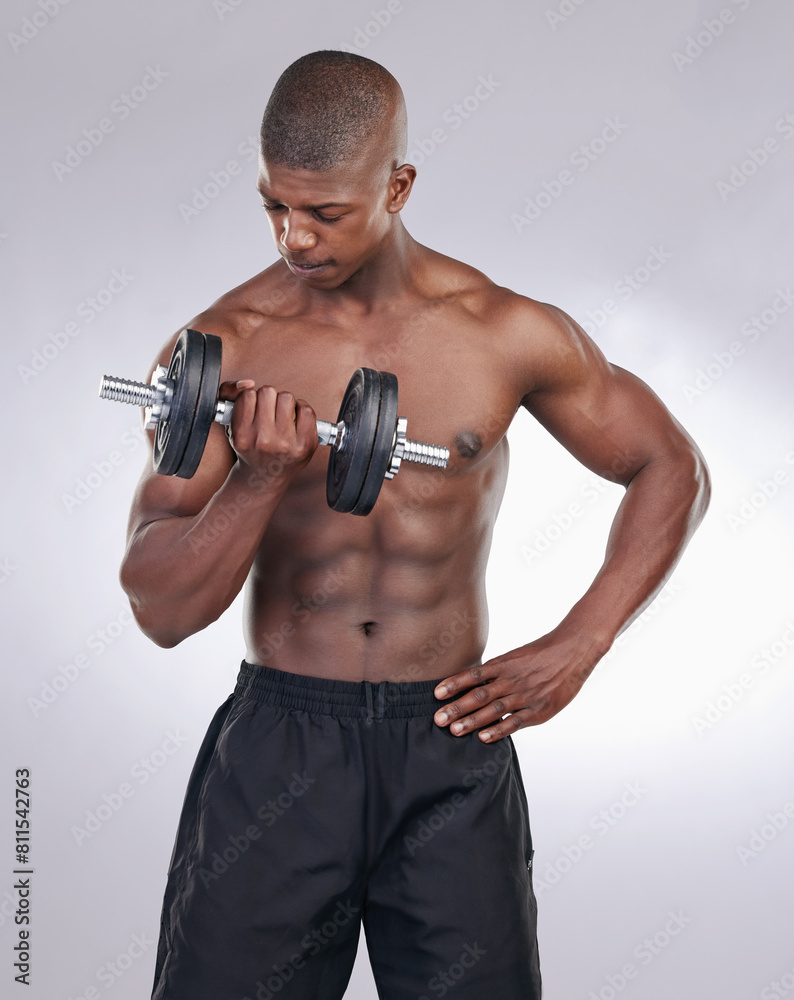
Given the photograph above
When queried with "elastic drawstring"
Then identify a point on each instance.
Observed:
(372, 714)
(381, 698)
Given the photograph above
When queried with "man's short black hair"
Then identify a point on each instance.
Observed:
(324, 107)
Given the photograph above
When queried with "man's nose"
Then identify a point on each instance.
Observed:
(297, 236)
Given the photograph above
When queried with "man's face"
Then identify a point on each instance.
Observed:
(327, 224)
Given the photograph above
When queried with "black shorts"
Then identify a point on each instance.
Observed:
(317, 804)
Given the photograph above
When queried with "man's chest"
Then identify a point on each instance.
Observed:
(456, 386)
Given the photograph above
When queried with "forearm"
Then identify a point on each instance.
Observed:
(664, 503)
(182, 573)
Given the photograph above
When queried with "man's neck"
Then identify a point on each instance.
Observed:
(386, 277)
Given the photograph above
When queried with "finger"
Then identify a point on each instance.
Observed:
(306, 422)
(231, 390)
(285, 412)
(265, 414)
(506, 727)
(478, 708)
(243, 413)
(450, 686)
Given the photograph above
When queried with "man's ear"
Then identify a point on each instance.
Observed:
(400, 184)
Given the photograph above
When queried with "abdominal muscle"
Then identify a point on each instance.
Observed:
(397, 595)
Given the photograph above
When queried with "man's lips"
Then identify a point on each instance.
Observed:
(307, 265)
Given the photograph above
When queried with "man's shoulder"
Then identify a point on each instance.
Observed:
(240, 315)
(505, 310)
(242, 309)
(542, 345)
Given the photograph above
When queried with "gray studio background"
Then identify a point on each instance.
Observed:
(628, 161)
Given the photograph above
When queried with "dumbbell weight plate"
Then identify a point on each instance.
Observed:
(184, 370)
(380, 458)
(204, 405)
(195, 371)
(348, 467)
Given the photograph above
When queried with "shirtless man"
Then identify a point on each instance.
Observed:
(363, 768)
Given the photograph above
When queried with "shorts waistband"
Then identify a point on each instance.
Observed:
(372, 700)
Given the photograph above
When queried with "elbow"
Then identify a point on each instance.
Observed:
(681, 479)
(155, 625)
(161, 632)
(166, 612)
(160, 636)
(689, 484)
(700, 483)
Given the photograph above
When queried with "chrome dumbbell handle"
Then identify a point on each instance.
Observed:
(327, 433)
(156, 397)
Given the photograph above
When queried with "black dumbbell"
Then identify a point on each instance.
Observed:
(368, 441)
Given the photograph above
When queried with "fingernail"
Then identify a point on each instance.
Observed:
(442, 718)
(457, 727)
(485, 737)
(441, 692)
